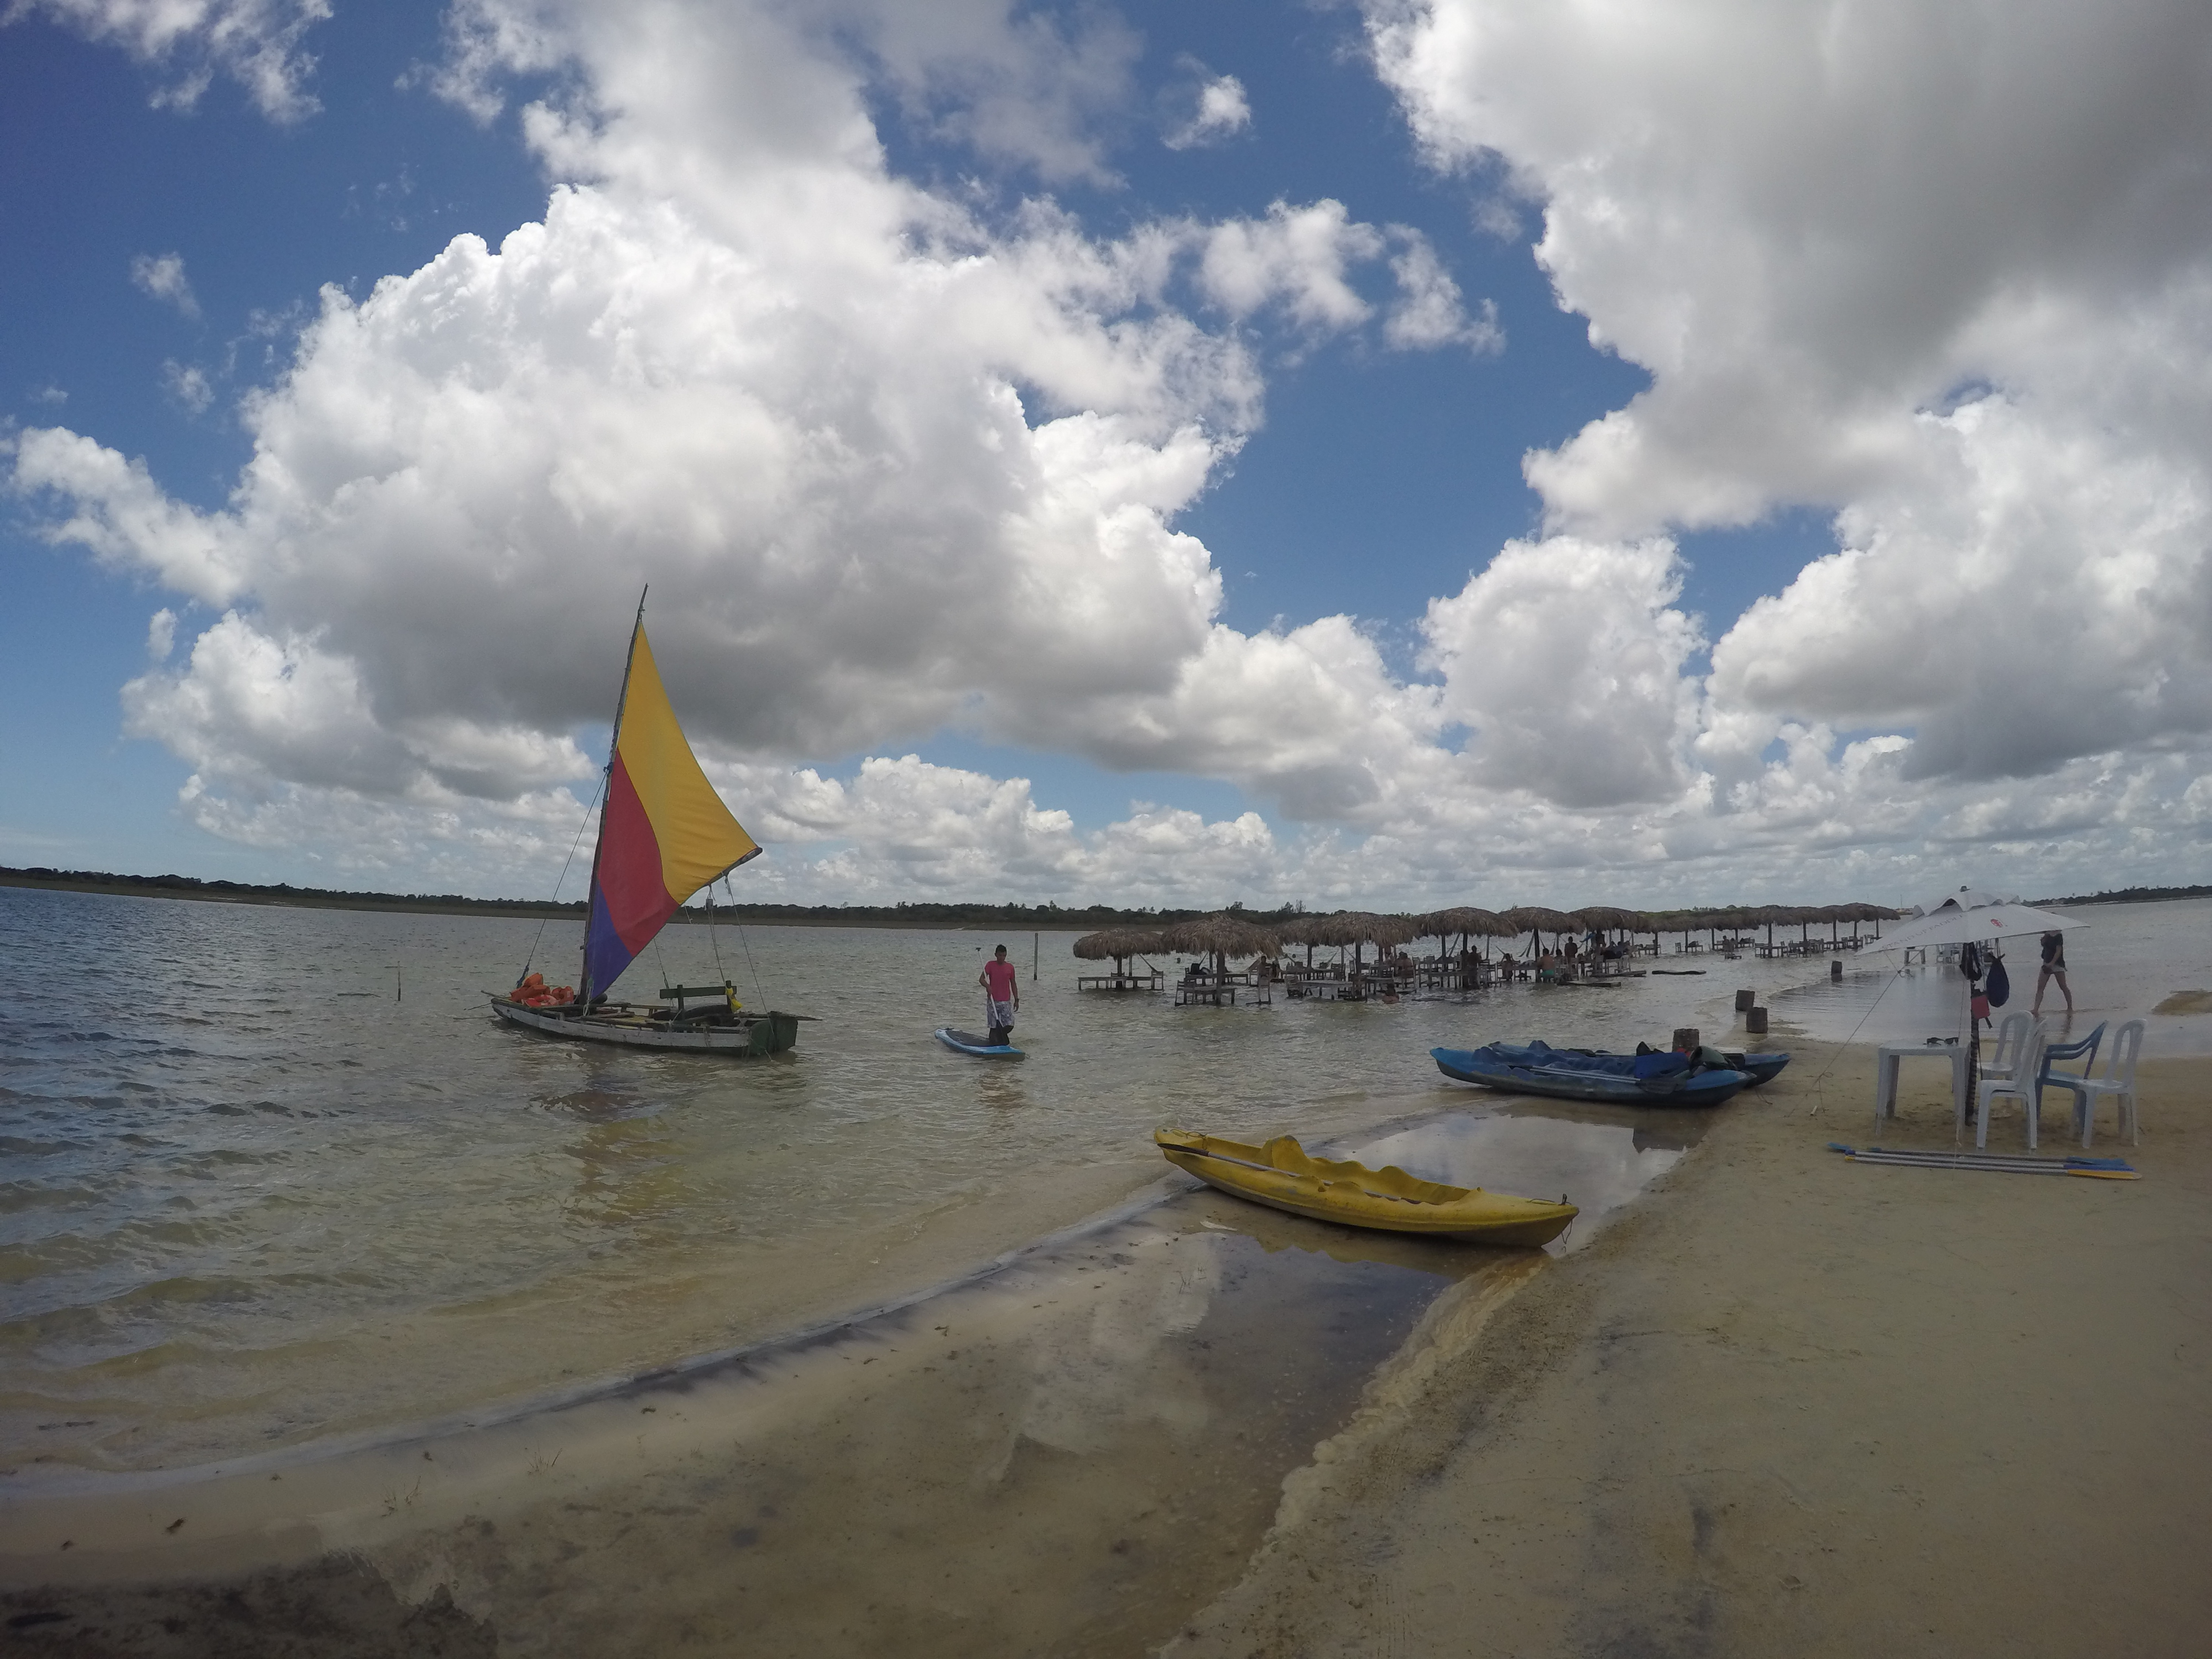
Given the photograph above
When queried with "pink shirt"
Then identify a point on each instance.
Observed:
(999, 979)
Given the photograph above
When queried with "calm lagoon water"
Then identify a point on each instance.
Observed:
(251, 1199)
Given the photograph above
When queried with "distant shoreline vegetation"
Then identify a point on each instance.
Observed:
(2133, 896)
(1032, 916)
(1084, 918)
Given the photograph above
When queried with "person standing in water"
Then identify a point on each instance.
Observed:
(2054, 967)
(1003, 986)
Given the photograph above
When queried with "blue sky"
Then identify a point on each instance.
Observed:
(1501, 616)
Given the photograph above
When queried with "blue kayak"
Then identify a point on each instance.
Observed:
(1658, 1079)
(967, 1042)
(1760, 1068)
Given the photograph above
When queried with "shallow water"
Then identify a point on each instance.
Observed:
(2124, 962)
(251, 1199)
(1063, 1455)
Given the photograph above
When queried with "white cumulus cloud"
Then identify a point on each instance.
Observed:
(163, 277)
(896, 458)
(1945, 274)
(260, 44)
(1204, 108)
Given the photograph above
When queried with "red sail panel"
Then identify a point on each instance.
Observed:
(631, 902)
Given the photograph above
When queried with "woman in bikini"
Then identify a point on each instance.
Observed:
(2054, 967)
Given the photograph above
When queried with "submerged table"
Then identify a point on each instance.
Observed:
(1885, 1076)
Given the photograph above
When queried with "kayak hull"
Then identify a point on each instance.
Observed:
(1554, 1080)
(1759, 1068)
(1283, 1176)
(967, 1042)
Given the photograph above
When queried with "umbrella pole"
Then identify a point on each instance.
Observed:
(1973, 1052)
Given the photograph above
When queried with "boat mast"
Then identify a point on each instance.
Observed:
(614, 742)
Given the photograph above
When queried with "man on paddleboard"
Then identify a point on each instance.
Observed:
(1003, 986)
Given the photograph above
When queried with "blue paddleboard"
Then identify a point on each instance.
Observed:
(967, 1043)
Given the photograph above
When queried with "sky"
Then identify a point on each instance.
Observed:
(1398, 454)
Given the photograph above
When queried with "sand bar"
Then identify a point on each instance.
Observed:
(1784, 1403)
(1791, 1404)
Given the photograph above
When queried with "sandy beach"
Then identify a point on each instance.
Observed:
(1781, 1403)
(1792, 1404)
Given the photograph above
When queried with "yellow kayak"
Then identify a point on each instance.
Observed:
(1284, 1175)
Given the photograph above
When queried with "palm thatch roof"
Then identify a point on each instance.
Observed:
(1304, 930)
(1365, 928)
(1607, 915)
(1223, 935)
(1119, 942)
(1535, 918)
(1465, 919)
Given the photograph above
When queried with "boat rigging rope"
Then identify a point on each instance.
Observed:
(1838, 1054)
(563, 877)
(761, 996)
(713, 940)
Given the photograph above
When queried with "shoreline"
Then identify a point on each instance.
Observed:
(1781, 1402)
(191, 889)
(1792, 1404)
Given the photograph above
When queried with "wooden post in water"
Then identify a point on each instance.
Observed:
(1686, 1039)
(1033, 957)
(1754, 1022)
(1745, 1001)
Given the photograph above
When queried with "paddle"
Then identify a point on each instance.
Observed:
(2096, 1168)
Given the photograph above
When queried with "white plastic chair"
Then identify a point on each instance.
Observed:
(2118, 1084)
(2004, 1060)
(2021, 1087)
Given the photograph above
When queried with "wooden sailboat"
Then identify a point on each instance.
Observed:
(663, 833)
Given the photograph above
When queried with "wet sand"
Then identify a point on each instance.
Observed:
(1792, 1404)
(1784, 1403)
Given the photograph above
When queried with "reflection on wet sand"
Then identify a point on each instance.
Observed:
(1065, 1455)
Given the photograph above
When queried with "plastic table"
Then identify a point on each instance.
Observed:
(1884, 1077)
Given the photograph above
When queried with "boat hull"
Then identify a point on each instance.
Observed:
(752, 1035)
(967, 1042)
(1283, 1176)
(1759, 1068)
(1557, 1081)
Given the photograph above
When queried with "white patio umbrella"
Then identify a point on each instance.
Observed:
(1970, 917)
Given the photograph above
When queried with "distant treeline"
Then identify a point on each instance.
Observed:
(1031, 917)
(245, 892)
(2132, 895)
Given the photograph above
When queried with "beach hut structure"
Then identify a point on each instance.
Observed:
(1358, 929)
(1536, 921)
(1225, 939)
(1466, 923)
(1859, 911)
(1306, 930)
(1606, 920)
(1121, 945)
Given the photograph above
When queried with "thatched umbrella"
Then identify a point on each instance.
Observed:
(1118, 945)
(1222, 935)
(1607, 918)
(1360, 928)
(1306, 930)
(1858, 911)
(1537, 919)
(1466, 923)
